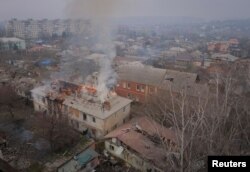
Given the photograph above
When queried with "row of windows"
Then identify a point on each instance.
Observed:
(84, 117)
(126, 85)
(140, 88)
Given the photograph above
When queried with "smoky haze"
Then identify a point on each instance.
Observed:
(207, 9)
(94, 9)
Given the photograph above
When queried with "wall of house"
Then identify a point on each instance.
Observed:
(10, 45)
(39, 102)
(129, 90)
(81, 121)
(97, 127)
(117, 119)
(113, 146)
(133, 93)
(76, 119)
(85, 118)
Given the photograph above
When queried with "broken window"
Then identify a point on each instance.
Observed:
(93, 119)
(114, 127)
(84, 116)
(111, 147)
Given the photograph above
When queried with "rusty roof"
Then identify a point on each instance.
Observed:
(141, 141)
(141, 74)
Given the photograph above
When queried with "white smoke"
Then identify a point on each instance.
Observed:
(107, 77)
(99, 12)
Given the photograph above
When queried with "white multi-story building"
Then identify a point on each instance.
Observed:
(18, 28)
(33, 29)
(12, 44)
(82, 106)
(47, 27)
(59, 27)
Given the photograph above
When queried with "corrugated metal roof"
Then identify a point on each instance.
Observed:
(141, 142)
(141, 74)
(86, 156)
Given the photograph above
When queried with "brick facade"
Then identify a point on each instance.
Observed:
(138, 92)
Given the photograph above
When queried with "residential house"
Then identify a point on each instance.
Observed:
(186, 60)
(231, 46)
(221, 47)
(178, 82)
(127, 61)
(138, 82)
(234, 47)
(81, 104)
(144, 144)
(219, 57)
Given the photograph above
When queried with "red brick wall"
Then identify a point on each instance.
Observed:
(136, 94)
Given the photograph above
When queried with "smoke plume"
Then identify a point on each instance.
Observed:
(100, 13)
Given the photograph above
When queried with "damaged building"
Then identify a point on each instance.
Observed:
(82, 105)
(144, 144)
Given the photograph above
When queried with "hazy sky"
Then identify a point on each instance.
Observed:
(208, 9)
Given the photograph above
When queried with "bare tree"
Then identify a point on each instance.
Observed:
(55, 128)
(209, 124)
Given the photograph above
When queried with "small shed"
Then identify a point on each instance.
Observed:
(87, 160)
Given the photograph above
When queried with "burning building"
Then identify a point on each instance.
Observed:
(86, 111)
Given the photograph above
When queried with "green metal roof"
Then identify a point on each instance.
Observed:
(86, 156)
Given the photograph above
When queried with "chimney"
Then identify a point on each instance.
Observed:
(107, 105)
